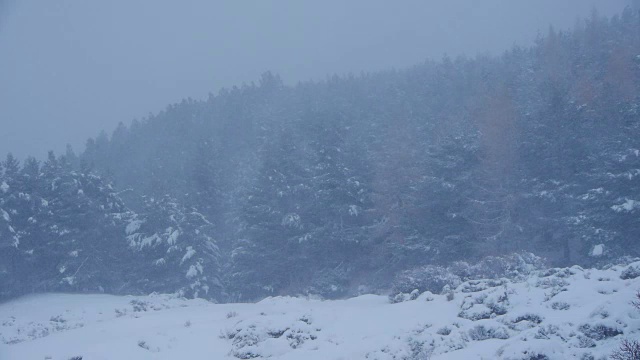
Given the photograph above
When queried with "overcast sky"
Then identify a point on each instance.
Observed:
(70, 68)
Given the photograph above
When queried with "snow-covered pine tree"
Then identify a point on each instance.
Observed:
(177, 248)
(267, 256)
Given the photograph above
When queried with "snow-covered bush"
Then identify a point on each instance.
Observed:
(560, 305)
(485, 274)
(402, 297)
(476, 312)
(329, 284)
(534, 318)
(481, 332)
(419, 349)
(231, 314)
(139, 305)
(494, 267)
(522, 322)
(259, 338)
(636, 303)
(473, 286)
(556, 273)
(630, 272)
(599, 331)
(484, 305)
(426, 278)
(535, 356)
(585, 342)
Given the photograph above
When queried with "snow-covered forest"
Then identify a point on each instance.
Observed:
(344, 186)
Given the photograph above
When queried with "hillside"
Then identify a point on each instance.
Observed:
(327, 188)
(324, 186)
(561, 313)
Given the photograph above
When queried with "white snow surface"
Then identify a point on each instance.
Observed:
(561, 313)
(598, 250)
(173, 238)
(192, 272)
(133, 226)
(188, 255)
(628, 205)
(5, 215)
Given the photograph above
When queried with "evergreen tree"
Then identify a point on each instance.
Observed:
(267, 258)
(177, 251)
(11, 168)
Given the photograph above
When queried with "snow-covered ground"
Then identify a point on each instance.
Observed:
(560, 313)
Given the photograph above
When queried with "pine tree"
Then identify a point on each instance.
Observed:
(69, 161)
(11, 168)
(176, 249)
(31, 174)
(267, 258)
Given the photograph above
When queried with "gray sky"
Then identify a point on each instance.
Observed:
(70, 68)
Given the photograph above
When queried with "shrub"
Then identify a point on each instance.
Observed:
(435, 278)
(631, 272)
(139, 305)
(231, 314)
(537, 357)
(628, 350)
(426, 278)
(599, 331)
(559, 305)
(329, 284)
(480, 332)
(534, 318)
(636, 303)
(450, 296)
(585, 342)
(494, 267)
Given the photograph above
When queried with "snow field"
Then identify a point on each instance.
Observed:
(571, 313)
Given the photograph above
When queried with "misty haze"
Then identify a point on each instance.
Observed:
(331, 180)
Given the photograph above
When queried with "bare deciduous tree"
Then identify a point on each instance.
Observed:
(628, 350)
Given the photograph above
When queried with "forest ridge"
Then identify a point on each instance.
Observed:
(337, 187)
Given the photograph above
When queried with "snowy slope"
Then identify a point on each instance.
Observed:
(560, 313)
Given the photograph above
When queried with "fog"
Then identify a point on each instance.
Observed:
(69, 69)
(467, 153)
